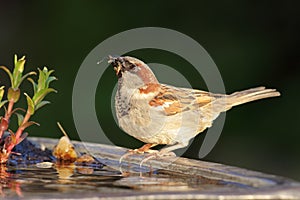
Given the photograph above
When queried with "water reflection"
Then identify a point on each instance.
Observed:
(70, 180)
(7, 181)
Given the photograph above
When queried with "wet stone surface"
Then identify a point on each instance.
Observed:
(70, 181)
(35, 175)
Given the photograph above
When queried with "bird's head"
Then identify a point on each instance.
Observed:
(129, 67)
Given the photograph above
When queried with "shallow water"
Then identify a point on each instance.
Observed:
(70, 181)
(25, 177)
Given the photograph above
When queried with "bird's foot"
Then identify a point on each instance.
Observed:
(141, 150)
(157, 154)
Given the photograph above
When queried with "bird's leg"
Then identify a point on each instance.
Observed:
(141, 150)
(168, 151)
(146, 148)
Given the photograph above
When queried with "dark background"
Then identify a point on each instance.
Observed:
(252, 42)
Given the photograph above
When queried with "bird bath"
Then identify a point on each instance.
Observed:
(157, 179)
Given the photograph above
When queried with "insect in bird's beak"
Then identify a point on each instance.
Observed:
(117, 65)
(118, 69)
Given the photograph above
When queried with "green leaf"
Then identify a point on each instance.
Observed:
(45, 78)
(2, 103)
(34, 85)
(20, 119)
(25, 76)
(16, 75)
(1, 92)
(30, 104)
(49, 80)
(40, 95)
(41, 88)
(46, 72)
(27, 124)
(41, 104)
(16, 109)
(18, 71)
(9, 74)
(19, 64)
(42, 80)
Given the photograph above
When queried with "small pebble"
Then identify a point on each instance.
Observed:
(44, 165)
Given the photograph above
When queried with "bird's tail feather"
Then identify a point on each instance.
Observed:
(249, 95)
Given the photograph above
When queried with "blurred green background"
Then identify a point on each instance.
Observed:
(252, 42)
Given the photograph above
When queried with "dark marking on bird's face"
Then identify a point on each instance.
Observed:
(122, 64)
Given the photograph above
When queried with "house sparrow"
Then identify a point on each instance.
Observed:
(156, 113)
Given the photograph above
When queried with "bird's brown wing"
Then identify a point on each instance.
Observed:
(175, 100)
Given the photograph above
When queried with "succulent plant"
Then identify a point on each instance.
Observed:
(16, 78)
(40, 90)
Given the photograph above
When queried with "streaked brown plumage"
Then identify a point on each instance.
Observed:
(157, 113)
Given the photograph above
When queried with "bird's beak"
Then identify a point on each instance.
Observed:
(117, 66)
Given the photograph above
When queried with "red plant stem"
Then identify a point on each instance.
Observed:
(21, 128)
(7, 116)
(9, 109)
(1, 133)
(19, 132)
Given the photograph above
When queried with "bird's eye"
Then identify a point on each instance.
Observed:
(129, 65)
